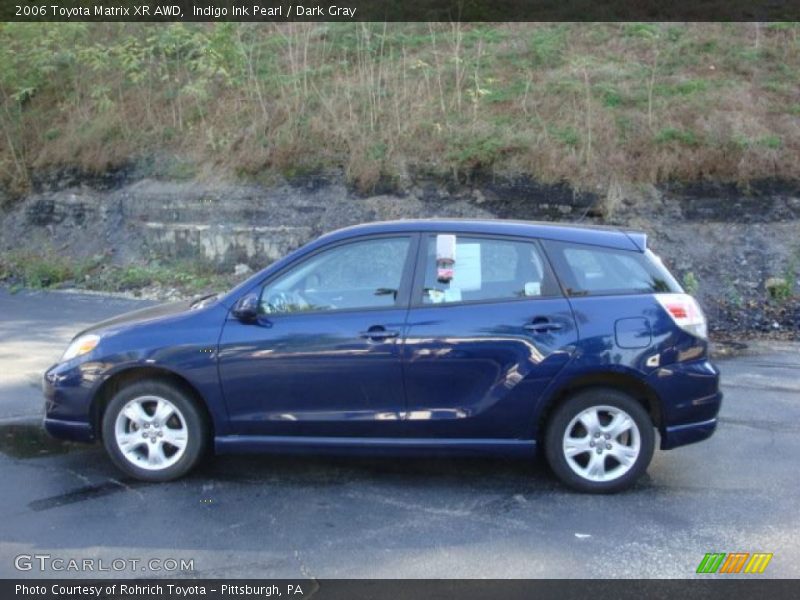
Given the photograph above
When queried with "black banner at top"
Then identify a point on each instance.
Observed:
(399, 10)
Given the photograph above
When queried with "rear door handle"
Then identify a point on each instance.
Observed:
(379, 334)
(541, 325)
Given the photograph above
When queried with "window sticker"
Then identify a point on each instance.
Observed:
(467, 276)
(435, 296)
(533, 288)
(445, 257)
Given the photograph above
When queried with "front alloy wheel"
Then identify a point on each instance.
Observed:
(151, 432)
(600, 440)
(154, 431)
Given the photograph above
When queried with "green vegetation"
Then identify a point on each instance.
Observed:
(671, 134)
(582, 103)
(51, 270)
(784, 290)
(690, 283)
(732, 293)
(780, 290)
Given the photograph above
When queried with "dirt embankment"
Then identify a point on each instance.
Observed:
(725, 244)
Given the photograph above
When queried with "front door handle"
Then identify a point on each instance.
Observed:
(542, 325)
(379, 333)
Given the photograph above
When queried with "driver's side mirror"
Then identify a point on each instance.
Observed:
(246, 308)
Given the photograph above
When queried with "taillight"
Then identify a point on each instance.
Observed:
(685, 312)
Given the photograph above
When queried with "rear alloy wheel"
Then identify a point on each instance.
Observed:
(600, 440)
(153, 431)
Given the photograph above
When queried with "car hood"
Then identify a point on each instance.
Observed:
(144, 315)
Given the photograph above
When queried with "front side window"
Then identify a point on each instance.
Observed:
(364, 274)
(485, 269)
(593, 270)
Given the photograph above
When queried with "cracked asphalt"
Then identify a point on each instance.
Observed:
(268, 516)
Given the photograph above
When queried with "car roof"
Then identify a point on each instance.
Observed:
(585, 234)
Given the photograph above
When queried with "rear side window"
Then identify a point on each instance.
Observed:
(488, 269)
(592, 270)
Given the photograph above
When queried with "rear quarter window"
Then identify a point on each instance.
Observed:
(588, 270)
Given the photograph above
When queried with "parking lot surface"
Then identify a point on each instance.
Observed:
(277, 516)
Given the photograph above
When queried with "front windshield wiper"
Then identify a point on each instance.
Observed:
(200, 300)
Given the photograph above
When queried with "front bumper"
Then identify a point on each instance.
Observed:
(74, 431)
(68, 394)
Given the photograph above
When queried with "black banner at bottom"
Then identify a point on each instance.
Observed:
(396, 589)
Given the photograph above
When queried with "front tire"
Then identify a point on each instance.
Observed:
(599, 441)
(154, 431)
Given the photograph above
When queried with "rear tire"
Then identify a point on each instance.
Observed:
(154, 431)
(599, 441)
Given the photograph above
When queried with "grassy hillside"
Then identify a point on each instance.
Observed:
(586, 103)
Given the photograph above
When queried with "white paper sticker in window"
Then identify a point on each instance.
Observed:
(533, 288)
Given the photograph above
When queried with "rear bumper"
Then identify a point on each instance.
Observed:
(681, 435)
(690, 401)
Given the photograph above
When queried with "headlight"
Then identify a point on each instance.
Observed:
(81, 345)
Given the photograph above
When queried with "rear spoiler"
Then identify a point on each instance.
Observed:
(638, 238)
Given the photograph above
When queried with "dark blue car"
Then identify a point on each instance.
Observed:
(439, 336)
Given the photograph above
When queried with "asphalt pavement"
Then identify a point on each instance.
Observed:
(277, 516)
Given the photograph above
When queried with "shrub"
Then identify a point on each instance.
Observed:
(672, 135)
(690, 283)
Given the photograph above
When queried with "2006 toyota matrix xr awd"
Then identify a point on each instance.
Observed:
(466, 337)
